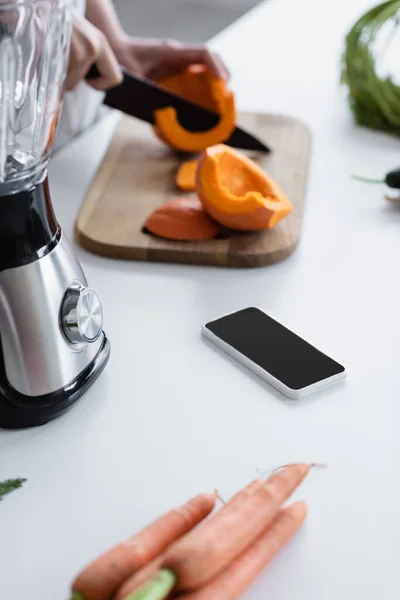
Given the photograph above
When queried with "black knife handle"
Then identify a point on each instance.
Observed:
(93, 73)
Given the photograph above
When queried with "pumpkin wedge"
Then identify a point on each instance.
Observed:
(186, 175)
(196, 84)
(182, 219)
(193, 84)
(237, 193)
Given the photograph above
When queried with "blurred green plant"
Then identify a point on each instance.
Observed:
(375, 101)
(9, 486)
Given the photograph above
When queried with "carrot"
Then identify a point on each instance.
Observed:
(250, 488)
(152, 568)
(186, 175)
(101, 579)
(204, 552)
(232, 582)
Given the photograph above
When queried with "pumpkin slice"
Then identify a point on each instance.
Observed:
(237, 193)
(182, 219)
(198, 85)
(186, 175)
(193, 84)
(52, 130)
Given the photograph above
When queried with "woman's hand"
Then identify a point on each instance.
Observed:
(156, 59)
(89, 45)
(150, 58)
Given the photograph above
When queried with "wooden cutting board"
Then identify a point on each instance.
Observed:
(138, 174)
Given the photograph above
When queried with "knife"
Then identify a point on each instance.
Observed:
(140, 97)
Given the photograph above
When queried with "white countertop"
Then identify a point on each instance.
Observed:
(149, 434)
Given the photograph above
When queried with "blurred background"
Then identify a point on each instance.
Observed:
(184, 20)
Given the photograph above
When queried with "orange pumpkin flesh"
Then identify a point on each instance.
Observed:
(186, 175)
(53, 130)
(182, 219)
(197, 84)
(193, 84)
(237, 193)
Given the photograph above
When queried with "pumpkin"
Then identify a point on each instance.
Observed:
(186, 175)
(193, 84)
(237, 193)
(182, 219)
(52, 131)
(196, 84)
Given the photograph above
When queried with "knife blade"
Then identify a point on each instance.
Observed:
(140, 97)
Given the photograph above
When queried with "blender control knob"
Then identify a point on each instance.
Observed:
(81, 314)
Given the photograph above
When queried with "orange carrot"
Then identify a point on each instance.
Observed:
(101, 579)
(150, 570)
(250, 488)
(207, 550)
(232, 582)
(186, 175)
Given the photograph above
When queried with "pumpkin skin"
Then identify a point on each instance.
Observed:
(198, 85)
(237, 193)
(182, 219)
(186, 175)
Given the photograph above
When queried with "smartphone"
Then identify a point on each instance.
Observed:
(279, 356)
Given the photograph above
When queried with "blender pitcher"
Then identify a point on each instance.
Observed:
(52, 345)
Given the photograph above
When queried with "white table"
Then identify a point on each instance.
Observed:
(149, 434)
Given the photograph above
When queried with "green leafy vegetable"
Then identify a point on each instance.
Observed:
(374, 101)
(10, 485)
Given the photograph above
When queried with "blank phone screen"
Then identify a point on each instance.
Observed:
(274, 348)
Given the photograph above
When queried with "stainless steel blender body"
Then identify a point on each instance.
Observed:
(52, 346)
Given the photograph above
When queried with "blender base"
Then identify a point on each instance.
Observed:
(18, 411)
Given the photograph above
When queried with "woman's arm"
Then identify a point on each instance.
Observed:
(103, 16)
(89, 46)
(149, 57)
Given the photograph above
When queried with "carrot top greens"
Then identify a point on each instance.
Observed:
(10, 485)
(157, 588)
(374, 100)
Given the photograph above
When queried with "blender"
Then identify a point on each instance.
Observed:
(52, 343)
